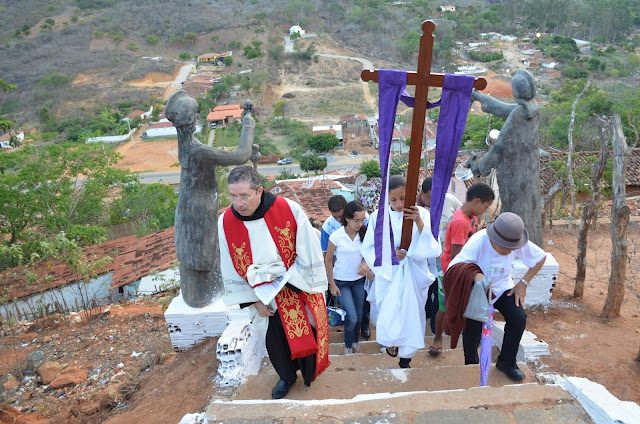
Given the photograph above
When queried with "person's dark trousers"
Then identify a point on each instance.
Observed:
(280, 354)
(515, 322)
(431, 307)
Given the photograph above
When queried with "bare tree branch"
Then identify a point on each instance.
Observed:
(590, 209)
(619, 219)
(572, 185)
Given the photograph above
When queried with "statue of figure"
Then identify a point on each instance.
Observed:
(196, 222)
(515, 154)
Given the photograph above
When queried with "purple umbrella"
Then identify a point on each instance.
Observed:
(485, 348)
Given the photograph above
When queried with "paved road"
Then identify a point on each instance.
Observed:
(267, 170)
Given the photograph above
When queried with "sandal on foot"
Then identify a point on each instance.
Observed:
(392, 351)
(435, 351)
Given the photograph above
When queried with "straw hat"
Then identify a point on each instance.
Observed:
(508, 231)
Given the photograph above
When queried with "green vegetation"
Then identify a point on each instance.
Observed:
(370, 168)
(294, 132)
(54, 189)
(151, 206)
(228, 136)
(132, 46)
(253, 50)
(184, 56)
(313, 163)
(323, 142)
(151, 40)
(485, 56)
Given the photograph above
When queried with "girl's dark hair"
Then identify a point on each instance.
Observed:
(396, 181)
(350, 210)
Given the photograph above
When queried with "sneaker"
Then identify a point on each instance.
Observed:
(356, 347)
(348, 350)
(513, 372)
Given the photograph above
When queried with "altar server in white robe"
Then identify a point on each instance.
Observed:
(399, 292)
(263, 237)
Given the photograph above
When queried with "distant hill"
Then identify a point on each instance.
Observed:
(105, 40)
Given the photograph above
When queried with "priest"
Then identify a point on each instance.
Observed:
(272, 264)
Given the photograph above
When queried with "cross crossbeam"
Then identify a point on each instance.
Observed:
(422, 79)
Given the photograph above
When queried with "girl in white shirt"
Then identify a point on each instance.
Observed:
(347, 275)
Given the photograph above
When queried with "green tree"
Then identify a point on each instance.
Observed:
(132, 46)
(151, 40)
(152, 206)
(228, 60)
(323, 142)
(313, 163)
(278, 108)
(50, 189)
(184, 56)
(370, 168)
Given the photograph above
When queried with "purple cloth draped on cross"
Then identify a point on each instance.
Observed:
(454, 107)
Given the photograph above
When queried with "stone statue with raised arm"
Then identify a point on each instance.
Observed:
(196, 221)
(515, 154)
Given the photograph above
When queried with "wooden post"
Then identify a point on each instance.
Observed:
(590, 209)
(422, 79)
(619, 220)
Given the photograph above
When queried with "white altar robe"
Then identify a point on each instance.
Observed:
(307, 272)
(399, 292)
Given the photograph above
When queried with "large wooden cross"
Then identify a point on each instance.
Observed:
(422, 79)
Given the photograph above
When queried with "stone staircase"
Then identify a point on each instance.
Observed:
(369, 387)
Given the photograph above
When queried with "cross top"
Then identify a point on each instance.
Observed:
(422, 79)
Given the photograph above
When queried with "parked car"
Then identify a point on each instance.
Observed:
(212, 125)
(284, 161)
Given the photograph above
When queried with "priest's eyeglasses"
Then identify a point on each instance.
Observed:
(243, 199)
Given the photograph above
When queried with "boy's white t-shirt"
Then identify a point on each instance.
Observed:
(348, 255)
(497, 267)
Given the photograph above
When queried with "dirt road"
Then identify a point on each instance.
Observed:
(366, 64)
(183, 73)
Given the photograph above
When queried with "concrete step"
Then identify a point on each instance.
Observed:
(336, 335)
(371, 346)
(520, 404)
(395, 380)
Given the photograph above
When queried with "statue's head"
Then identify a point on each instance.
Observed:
(523, 85)
(248, 107)
(181, 109)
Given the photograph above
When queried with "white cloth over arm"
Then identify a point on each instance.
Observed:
(307, 272)
(399, 292)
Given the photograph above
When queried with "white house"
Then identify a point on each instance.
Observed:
(5, 139)
(477, 43)
(296, 29)
(465, 66)
(548, 63)
(165, 128)
(448, 8)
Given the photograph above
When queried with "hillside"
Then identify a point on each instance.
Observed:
(105, 45)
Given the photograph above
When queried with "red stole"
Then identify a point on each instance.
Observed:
(291, 306)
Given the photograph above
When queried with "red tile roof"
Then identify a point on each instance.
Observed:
(221, 115)
(548, 177)
(353, 117)
(135, 113)
(161, 125)
(227, 107)
(134, 258)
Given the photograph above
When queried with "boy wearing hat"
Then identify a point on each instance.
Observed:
(493, 250)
